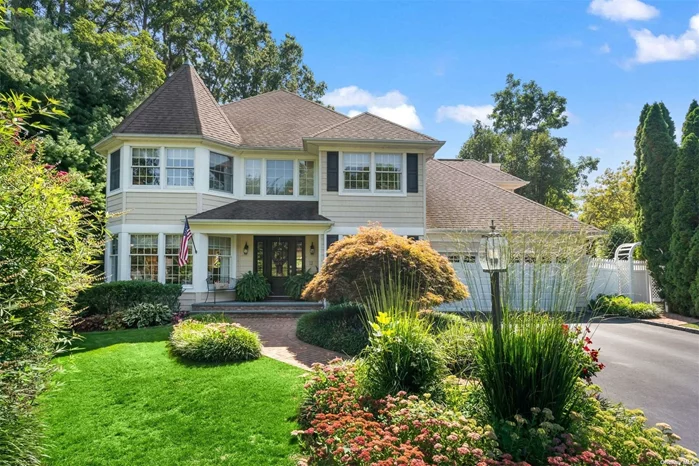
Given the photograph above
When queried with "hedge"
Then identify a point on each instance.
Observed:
(108, 298)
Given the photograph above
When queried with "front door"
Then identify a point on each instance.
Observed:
(279, 257)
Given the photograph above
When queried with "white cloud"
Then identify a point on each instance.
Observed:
(623, 10)
(605, 49)
(465, 114)
(593, 27)
(651, 48)
(392, 105)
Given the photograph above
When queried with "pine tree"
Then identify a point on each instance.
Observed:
(656, 146)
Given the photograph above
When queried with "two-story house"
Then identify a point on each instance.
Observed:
(268, 182)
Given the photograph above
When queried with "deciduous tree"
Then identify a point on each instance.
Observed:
(610, 201)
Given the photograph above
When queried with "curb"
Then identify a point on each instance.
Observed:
(660, 324)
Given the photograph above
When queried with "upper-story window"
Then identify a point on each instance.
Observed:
(389, 171)
(357, 171)
(145, 166)
(280, 177)
(306, 177)
(253, 176)
(115, 170)
(220, 172)
(180, 166)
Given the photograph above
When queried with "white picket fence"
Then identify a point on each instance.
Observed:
(541, 286)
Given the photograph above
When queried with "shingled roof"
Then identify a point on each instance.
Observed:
(181, 106)
(370, 127)
(279, 119)
(481, 170)
(277, 211)
(460, 201)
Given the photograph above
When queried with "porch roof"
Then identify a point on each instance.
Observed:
(268, 211)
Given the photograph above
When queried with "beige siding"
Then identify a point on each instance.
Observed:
(159, 208)
(114, 207)
(211, 201)
(390, 211)
(446, 243)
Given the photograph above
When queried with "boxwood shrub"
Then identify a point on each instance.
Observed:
(623, 306)
(213, 342)
(108, 298)
(338, 328)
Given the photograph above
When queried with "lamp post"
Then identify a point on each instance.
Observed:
(493, 257)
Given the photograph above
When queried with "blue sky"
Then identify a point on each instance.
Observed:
(434, 65)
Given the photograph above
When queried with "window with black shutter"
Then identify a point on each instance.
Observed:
(411, 169)
(114, 170)
(333, 173)
(330, 239)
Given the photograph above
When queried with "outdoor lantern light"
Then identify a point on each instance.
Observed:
(313, 248)
(245, 248)
(493, 257)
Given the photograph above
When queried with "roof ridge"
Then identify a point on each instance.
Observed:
(195, 102)
(290, 93)
(218, 107)
(518, 195)
(331, 127)
(485, 165)
(147, 102)
(397, 124)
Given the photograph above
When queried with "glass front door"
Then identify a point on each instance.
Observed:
(279, 257)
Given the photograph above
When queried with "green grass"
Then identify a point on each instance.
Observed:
(694, 325)
(124, 401)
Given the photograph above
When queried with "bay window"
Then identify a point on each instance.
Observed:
(180, 167)
(144, 257)
(357, 171)
(253, 176)
(280, 177)
(145, 166)
(220, 172)
(114, 259)
(219, 259)
(173, 272)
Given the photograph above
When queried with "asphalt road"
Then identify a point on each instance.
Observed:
(652, 368)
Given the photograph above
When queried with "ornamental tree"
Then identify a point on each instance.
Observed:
(357, 261)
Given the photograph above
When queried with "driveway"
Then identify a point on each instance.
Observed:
(652, 368)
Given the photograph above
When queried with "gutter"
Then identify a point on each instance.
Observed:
(261, 222)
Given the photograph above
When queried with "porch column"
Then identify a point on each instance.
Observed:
(124, 256)
(199, 262)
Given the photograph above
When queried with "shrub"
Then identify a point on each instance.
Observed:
(338, 328)
(115, 321)
(93, 323)
(536, 354)
(208, 318)
(108, 298)
(617, 234)
(624, 306)
(252, 287)
(357, 260)
(214, 342)
(295, 284)
(147, 315)
(402, 354)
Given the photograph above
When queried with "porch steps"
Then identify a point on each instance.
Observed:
(261, 307)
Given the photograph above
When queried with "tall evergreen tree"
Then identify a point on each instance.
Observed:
(637, 145)
(656, 146)
(667, 190)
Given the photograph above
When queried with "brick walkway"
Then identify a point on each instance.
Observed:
(278, 335)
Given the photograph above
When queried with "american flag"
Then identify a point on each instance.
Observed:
(184, 245)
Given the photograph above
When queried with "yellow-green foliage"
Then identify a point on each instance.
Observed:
(359, 260)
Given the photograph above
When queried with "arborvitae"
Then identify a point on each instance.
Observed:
(656, 146)
(637, 148)
(667, 189)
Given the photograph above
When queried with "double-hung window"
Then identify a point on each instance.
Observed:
(280, 177)
(145, 166)
(220, 172)
(389, 171)
(306, 178)
(114, 259)
(357, 171)
(180, 166)
(173, 272)
(144, 257)
(115, 170)
(253, 176)
(219, 258)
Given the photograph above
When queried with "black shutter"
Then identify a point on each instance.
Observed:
(412, 173)
(333, 174)
(114, 169)
(330, 239)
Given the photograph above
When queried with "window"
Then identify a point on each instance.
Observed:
(114, 170)
(253, 175)
(356, 170)
(180, 167)
(389, 169)
(220, 172)
(173, 272)
(280, 177)
(219, 260)
(145, 166)
(306, 178)
(144, 257)
(114, 259)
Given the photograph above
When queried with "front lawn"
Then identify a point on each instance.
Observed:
(125, 401)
